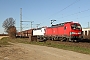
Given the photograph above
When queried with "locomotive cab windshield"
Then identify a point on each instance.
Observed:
(76, 26)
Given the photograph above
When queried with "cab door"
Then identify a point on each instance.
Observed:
(65, 30)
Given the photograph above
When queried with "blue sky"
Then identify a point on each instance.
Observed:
(43, 11)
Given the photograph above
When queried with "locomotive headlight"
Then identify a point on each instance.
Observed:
(79, 32)
(72, 33)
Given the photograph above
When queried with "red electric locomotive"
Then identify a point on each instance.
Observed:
(68, 31)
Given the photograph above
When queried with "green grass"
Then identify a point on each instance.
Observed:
(79, 49)
(65, 47)
(4, 42)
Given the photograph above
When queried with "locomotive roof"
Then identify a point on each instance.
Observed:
(61, 24)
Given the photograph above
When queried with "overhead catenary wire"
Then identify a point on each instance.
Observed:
(65, 7)
(62, 9)
(76, 13)
(81, 17)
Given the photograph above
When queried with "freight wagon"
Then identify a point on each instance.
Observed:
(39, 32)
(25, 33)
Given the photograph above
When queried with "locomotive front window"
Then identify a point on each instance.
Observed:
(75, 26)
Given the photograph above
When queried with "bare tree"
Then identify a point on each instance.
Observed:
(12, 32)
(9, 26)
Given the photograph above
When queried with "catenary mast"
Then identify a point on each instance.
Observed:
(21, 21)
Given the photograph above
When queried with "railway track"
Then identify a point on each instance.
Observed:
(83, 43)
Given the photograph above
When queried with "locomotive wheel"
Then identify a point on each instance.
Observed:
(75, 40)
(72, 40)
(67, 40)
(52, 39)
(61, 40)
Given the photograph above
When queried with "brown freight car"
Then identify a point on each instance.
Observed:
(25, 33)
